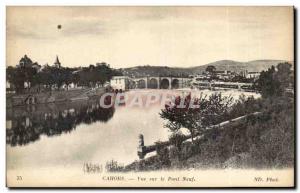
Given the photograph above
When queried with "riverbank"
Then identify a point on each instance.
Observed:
(264, 141)
(52, 97)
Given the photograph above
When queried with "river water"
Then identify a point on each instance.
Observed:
(69, 135)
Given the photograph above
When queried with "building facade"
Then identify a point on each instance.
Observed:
(253, 75)
(119, 82)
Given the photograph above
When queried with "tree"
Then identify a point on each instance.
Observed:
(16, 77)
(24, 72)
(210, 69)
(185, 117)
(265, 83)
(284, 74)
(196, 117)
(46, 77)
(97, 74)
(272, 82)
(67, 76)
(75, 78)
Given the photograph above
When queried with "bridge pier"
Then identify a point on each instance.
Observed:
(158, 83)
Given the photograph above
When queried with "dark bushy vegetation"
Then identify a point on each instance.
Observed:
(272, 82)
(206, 112)
(113, 166)
(28, 71)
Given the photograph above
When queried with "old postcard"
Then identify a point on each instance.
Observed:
(145, 96)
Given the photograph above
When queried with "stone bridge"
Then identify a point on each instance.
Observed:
(153, 82)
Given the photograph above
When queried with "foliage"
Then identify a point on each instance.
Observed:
(113, 166)
(210, 69)
(195, 114)
(96, 74)
(162, 154)
(177, 139)
(51, 76)
(239, 78)
(244, 105)
(274, 83)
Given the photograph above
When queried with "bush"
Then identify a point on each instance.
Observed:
(113, 166)
(162, 153)
(177, 139)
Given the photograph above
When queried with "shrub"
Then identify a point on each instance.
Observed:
(177, 139)
(113, 166)
(162, 154)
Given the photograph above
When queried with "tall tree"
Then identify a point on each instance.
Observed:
(272, 82)
(210, 69)
(195, 114)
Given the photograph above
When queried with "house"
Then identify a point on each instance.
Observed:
(254, 75)
(120, 82)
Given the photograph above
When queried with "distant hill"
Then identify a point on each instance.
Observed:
(251, 66)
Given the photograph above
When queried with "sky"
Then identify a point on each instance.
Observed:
(158, 36)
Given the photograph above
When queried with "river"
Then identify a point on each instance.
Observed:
(69, 135)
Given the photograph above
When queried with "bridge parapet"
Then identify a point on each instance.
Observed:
(161, 82)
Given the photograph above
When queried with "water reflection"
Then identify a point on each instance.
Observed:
(27, 124)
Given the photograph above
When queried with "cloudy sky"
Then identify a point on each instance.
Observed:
(130, 36)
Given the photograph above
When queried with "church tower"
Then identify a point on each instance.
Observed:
(57, 63)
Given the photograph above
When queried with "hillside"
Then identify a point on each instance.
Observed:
(251, 66)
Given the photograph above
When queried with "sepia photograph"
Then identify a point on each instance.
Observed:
(150, 96)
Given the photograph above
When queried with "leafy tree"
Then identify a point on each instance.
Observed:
(50, 75)
(216, 108)
(210, 69)
(196, 117)
(177, 139)
(16, 77)
(186, 117)
(283, 74)
(266, 83)
(274, 83)
(67, 76)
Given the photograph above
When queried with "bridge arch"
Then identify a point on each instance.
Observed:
(132, 84)
(153, 83)
(175, 83)
(141, 83)
(164, 83)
